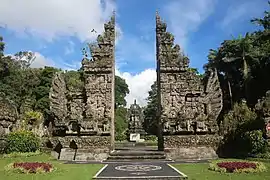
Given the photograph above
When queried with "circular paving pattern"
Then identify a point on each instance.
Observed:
(138, 168)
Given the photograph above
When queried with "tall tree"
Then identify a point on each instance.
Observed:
(150, 111)
(121, 90)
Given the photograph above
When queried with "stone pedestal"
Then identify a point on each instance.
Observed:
(134, 137)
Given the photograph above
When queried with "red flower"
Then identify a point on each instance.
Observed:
(32, 167)
(232, 166)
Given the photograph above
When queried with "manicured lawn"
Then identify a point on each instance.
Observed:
(195, 171)
(200, 171)
(63, 172)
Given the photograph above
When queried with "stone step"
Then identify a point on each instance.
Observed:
(135, 153)
(140, 148)
(135, 144)
(133, 157)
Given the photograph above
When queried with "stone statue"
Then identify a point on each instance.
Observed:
(188, 104)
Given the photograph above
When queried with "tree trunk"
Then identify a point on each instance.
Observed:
(230, 90)
(245, 76)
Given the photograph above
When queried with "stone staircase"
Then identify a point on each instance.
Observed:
(136, 153)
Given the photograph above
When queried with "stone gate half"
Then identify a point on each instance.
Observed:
(83, 120)
(188, 106)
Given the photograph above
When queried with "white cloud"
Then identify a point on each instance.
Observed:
(242, 11)
(41, 61)
(52, 18)
(185, 16)
(139, 85)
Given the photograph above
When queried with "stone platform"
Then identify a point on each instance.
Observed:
(139, 170)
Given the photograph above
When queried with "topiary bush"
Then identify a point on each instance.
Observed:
(22, 141)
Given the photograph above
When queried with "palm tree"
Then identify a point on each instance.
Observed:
(245, 46)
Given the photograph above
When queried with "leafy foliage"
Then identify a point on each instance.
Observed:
(150, 111)
(244, 135)
(244, 63)
(74, 80)
(33, 117)
(22, 141)
(121, 90)
(121, 123)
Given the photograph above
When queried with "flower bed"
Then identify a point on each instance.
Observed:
(237, 166)
(30, 167)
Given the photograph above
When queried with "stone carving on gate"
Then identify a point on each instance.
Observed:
(87, 111)
(188, 104)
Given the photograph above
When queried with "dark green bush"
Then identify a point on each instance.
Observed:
(22, 141)
(120, 137)
(3, 145)
(244, 135)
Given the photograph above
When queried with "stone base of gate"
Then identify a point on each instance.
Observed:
(74, 148)
(191, 147)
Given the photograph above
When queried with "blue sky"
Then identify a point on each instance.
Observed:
(57, 30)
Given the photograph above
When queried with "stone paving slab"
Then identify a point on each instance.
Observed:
(127, 171)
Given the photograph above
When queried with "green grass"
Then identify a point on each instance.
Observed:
(63, 171)
(194, 171)
(200, 171)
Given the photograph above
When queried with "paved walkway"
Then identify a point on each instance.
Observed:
(139, 170)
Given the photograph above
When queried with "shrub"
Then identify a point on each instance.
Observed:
(239, 118)
(29, 167)
(120, 137)
(237, 166)
(244, 135)
(254, 141)
(3, 145)
(22, 141)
